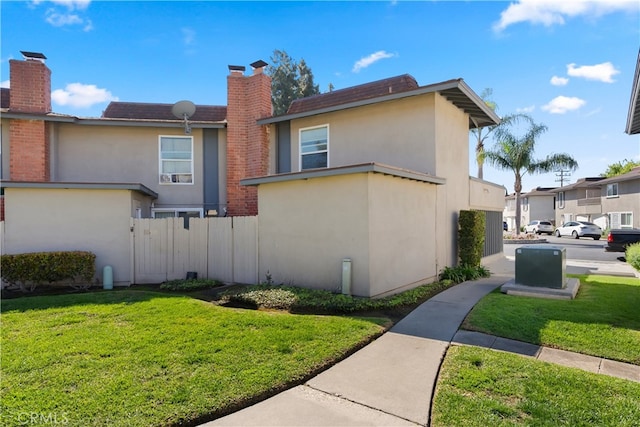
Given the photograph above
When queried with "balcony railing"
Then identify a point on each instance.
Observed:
(589, 201)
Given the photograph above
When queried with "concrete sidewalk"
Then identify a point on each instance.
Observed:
(391, 381)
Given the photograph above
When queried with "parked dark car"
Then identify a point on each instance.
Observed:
(619, 239)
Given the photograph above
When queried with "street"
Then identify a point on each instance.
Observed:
(585, 248)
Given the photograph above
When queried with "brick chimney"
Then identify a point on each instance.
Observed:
(30, 92)
(248, 99)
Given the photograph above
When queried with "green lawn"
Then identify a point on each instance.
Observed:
(481, 387)
(603, 320)
(132, 358)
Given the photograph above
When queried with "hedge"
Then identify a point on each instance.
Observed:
(32, 269)
(471, 226)
(633, 255)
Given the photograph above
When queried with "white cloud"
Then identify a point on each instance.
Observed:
(65, 13)
(601, 72)
(81, 95)
(552, 12)
(526, 110)
(368, 60)
(188, 36)
(559, 81)
(61, 19)
(562, 104)
(5, 84)
(69, 4)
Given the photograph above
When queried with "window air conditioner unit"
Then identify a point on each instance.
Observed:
(165, 178)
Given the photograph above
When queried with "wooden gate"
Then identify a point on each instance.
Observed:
(225, 249)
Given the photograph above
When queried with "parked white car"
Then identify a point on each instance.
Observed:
(577, 229)
(539, 227)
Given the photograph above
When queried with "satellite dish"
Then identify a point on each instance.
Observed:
(184, 110)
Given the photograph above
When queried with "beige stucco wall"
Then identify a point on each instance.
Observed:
(628, 200)
(125, 154)
(307, 227)
(424, 133)
(451, 163)
(485, 195)
(70, 219)
(399, 133)
(402, 230)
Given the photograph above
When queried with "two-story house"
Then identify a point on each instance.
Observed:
(580, 201)
(537, 204)
(376, 174)
(620, 199)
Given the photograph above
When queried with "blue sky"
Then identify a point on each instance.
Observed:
(569, 64)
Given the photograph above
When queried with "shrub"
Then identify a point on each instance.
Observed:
(297, 299)
(32, 269)
(471, 227)
(633, 255)
(462, 273)
(190, 285)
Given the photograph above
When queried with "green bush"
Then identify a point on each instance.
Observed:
(32, 269)
(462, 273)
(471, 228)
(190, 285)
(297, 299)
(633, 255)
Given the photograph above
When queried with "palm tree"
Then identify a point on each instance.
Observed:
(481, 133)
(515, 153)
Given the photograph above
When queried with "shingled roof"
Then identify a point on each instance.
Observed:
(455, 91)
(361, 92)
(148, 111)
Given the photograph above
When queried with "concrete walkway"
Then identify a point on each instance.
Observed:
(391, 381)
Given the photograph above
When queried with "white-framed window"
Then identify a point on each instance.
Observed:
(560, 199)
(314, 147)
(612, 190)
(626, 220)
(185, 213)
(175, 159)
(525, 204)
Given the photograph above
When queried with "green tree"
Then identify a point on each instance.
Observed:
(290, 80)
(619, 168)
(482, 133)
(516, 153)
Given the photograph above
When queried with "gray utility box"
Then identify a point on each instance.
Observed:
(541, 266)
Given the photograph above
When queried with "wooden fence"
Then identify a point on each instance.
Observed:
(225, 249)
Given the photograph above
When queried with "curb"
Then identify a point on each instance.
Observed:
(522, 241)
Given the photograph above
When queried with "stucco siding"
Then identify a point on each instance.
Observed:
(385, 225)
(484, 195)
(71, 219)
(399, 133)
(452, 154)
(307, 227)
(541, 207)
(123, 154)
(628, 199)
(402, 232)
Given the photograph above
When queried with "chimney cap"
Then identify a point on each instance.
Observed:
(259, 64)
(237, 68)
(33, 55)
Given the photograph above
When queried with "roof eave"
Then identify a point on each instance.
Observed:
(6, 114)
(345, 170)
(137, 187)
(491, 119)
(633, 117)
